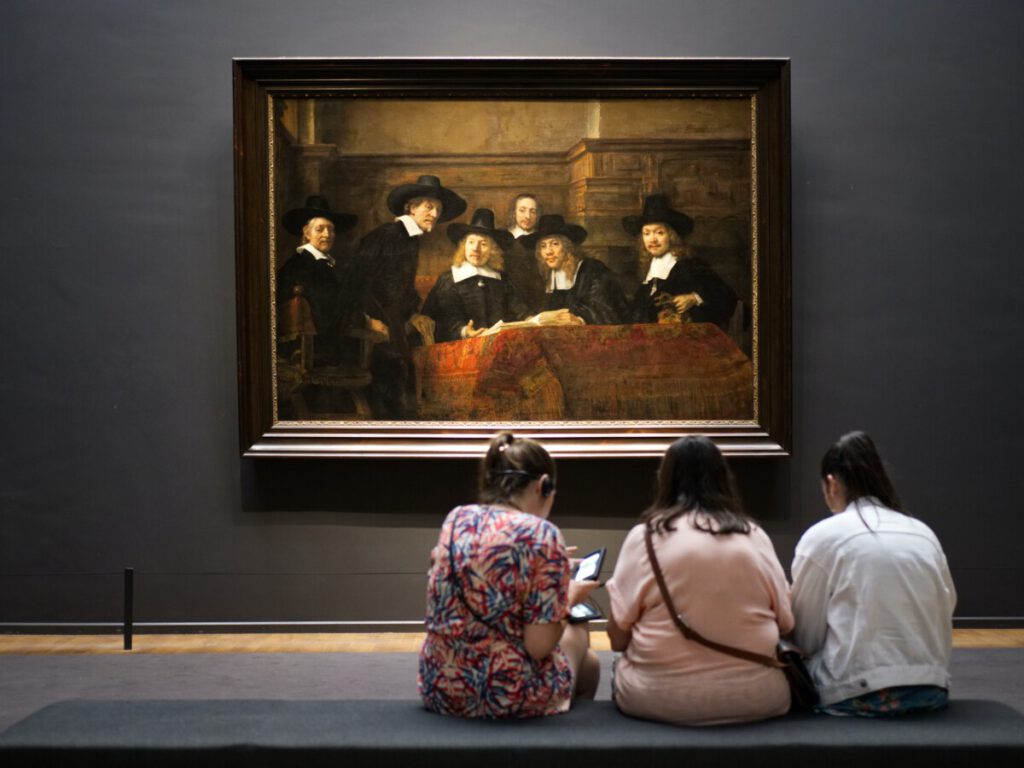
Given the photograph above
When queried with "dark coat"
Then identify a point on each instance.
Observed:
(689, 275)
(484, 300)
(385, 263)
(329, 292)
(596, 296)
(522, 269)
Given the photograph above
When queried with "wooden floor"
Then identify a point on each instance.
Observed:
(335, 642)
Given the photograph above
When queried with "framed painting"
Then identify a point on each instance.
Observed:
(591, 252)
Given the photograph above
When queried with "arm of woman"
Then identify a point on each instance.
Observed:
(631, 579)
(774, 579)
(540, 640)
(617, 636)
(810, 598)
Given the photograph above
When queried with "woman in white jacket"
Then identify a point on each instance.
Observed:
(872, 594)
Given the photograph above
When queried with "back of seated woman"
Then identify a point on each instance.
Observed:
(872, 594)
(726, 582)
(498, 642)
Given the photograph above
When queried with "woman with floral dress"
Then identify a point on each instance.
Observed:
(498, 641)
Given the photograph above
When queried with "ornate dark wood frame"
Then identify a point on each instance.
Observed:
(255, 80)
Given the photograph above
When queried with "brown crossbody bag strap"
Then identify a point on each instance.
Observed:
(688, 632)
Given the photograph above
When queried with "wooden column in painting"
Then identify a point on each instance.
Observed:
(312, 155)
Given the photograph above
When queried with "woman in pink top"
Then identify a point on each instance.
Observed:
(725, 581)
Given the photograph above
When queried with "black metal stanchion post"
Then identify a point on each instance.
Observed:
(129, 599)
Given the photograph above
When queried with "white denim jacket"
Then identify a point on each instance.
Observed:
(873, 601)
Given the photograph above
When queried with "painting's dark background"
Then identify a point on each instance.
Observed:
(117, 325)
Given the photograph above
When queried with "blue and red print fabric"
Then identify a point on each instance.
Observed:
(513, 569)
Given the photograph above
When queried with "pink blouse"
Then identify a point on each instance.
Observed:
(730, 589)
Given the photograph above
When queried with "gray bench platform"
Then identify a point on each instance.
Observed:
(401, 733)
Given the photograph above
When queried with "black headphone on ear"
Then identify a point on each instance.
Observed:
(547, 485)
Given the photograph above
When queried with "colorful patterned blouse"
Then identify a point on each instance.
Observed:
(512, 570)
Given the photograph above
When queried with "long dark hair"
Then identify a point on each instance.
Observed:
(512, 463)
(854, 460)
(693, 477)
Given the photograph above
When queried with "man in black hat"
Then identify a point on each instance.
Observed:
(386, 262)
(520, 263)
(474, 295)
(320, 279)
(583, 286)
(677, 285)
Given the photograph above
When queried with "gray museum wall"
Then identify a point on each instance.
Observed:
(118, 321)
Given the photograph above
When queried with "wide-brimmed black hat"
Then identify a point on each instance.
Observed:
(317, 206)
(658, 211)
(553, 224)
(452, 206)
(482, 223)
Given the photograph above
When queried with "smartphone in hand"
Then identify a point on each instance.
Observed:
(589, 566)
(584, 612)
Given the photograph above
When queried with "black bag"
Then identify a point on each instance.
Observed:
(801, 687)
(788, 658)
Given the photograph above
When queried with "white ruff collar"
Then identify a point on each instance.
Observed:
(466, 270)
(660, 267)
(560, 281)
(316, 253)
(411, 226)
